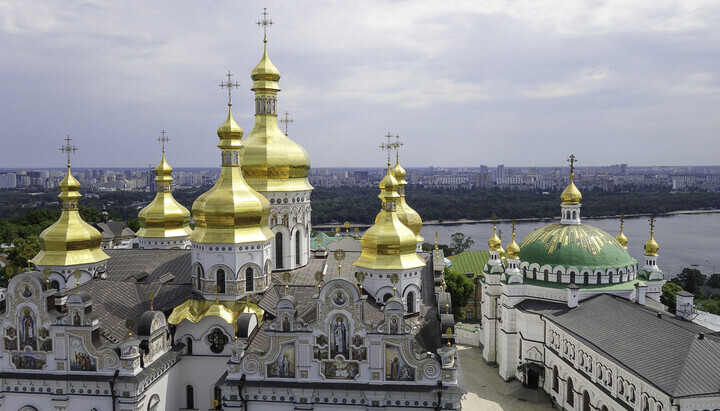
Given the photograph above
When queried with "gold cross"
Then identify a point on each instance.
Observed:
(622, 221)
(68, 149)
(397, 145)
(162, 139)
(572, 161)
(264, 23)
(513, 228)
(287, 120)
(652, 225)
(388, 146)
(229, 85)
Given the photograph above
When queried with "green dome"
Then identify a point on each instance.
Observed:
(581, 246)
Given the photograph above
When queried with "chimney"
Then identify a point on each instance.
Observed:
(640, 290)
(572, 295)
(683, 304)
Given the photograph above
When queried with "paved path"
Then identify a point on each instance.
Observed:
(486, 390)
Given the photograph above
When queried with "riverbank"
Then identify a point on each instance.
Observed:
(529, 220)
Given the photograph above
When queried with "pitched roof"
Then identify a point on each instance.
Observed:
(666, 352)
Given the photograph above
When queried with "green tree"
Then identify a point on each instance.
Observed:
(713, 281)
(667, 297)
(460, 243)
(461, 289)
(25, 249)
(690, 279)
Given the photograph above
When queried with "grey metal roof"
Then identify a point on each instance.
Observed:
(666, 352)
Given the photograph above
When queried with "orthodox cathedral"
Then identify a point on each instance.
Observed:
(570, 312)
(238, 312)
(241, 313)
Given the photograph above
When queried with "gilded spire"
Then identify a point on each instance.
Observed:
(70, 240)
(513, 249)
(621, 237)
(571, 194)
(651, 246)
(494, 242)
(271, 162)
(406, 214)
(388, 244)
(231, 211)
(164, 217)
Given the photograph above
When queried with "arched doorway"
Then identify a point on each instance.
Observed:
(279, 251)
(220, 275)
(189, 397)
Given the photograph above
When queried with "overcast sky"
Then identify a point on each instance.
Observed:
(463, 83)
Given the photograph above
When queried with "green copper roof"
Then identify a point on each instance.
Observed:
(470, 261)
(580, 246)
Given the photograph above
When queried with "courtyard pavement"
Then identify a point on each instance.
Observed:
(486, 390)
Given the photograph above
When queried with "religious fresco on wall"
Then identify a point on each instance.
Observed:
(340, 370)
(80, 360)
(284, 367)
(26, 292)
(396, 369)
(10, 339)
(320, 353)
(28, 360)
(359, 354)
(339, 340)
(26, 328)
(339, 298)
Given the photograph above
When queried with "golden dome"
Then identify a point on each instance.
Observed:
(164, 217)
(270, 160)
(513, 249)
(231, 211)
(70, 240)
(494, 242)
(389, 244)
(405, 213)
(622, 239)
(571, 194)
(651, 246)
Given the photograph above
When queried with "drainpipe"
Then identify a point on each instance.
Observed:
(112, 388)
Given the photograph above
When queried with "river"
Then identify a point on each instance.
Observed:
(686, 240)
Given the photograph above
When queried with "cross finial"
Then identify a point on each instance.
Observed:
(397, 145)
(652, 225)
(163, 139)
(513, 228)
(572, 161)
(229, 86)
(622, 221)
(287, 120)
(264, 23)
(388, 146)
(68, 149)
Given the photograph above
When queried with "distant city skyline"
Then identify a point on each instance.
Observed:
(463, 83)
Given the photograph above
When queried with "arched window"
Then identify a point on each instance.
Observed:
(411, 302)
(154, 403)
(556, 379)
(198, 274)
(545, 275)
(387, 297)
(574, 214)
(188, 344)
(250, 279)
(604, 408)
(534, 274)
(220, 276)
(297, 247)
(55, 284)
(570, 395)
(189, 397)
(586, 401)
(572, 277)
(279, 250)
